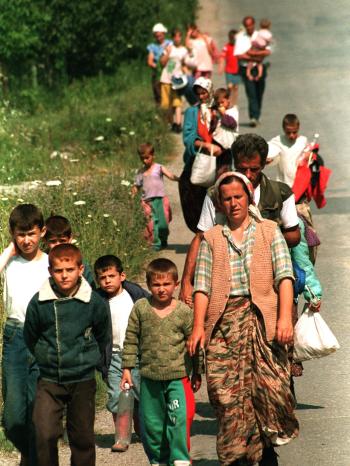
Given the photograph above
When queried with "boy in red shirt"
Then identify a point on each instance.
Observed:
(229, 63)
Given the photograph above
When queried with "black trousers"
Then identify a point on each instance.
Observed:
(254, 91)
(51, 399)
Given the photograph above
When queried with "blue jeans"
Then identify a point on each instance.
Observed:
(254, 91)
(115, 373)
(19, 380)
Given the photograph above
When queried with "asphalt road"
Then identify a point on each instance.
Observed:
(309, 77)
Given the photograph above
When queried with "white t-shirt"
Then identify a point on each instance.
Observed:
(174, 64)
(209, 217)
(22, 279)
(204, 62)
(120, 306)
(285, 153)
(225, 136)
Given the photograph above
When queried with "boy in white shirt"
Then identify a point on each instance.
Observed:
(286, 149)
(121, 295)
(25, 269)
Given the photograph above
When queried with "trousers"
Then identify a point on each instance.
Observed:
(254, 91)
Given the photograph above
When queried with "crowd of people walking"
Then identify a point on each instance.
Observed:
(252, 255)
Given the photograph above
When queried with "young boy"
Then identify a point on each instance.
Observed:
(121, 295)
(158, 328)
(25, 268)
(59, 231)
(285, 150)
(225, 118)
(67, 328)
(229, 62)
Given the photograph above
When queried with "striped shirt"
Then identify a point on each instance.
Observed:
(240, 260)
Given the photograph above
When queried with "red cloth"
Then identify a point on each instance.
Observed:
(202, 130)
(302, 185)
(231, 60)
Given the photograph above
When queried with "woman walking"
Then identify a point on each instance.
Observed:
(243, 316)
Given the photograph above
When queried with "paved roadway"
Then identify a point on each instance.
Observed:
(308, 76)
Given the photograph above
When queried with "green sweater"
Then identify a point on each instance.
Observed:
(161, 342)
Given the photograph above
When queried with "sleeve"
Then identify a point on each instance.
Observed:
(274, 152)
(289, 215)
(223, 51)
(132, 338)
(190, 131)
(207, 218)
(281, 261)
(88, 275)
(138, 179)
(31, 325)
(228, 121)
(202, 277)
(300, 254)
(102, 323)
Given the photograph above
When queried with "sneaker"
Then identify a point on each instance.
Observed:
(119, 447)
(253, 122)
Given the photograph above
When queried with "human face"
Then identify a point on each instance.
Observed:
(251, 168)
(110, 281)
(66, 272)
(159, 37)
(147, 160)
(291, 132)
(27, 241)
(203, 94)
(162, 287)
(223, 102)
(234, 202)
(53, 241)
(177, 38)
(249, 25)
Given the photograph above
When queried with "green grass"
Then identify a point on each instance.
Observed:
(84, 136)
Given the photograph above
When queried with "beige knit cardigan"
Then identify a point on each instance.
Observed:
(262, 290)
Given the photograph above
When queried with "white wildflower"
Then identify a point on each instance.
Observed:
(89, 215)
(4, 198)
(74, 160)
(106, 215)
(74, 241)
(132, 133)
(87, 223)
(20, 199)
(74, 194)
(99, 138)
(129, 46)
(54, 154)
(108, 120)
(125, 183)
(123, 128)
(53, 183)
(79, 203)
(114, 223)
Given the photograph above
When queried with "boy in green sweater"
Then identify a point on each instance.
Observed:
(159, 327)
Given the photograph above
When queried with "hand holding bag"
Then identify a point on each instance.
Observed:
(204, 169)
(312, 337)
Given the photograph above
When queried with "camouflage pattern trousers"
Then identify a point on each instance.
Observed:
(248, 386)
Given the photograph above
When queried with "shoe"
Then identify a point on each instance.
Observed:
(269, 457)
(120, 447)
(253, 122)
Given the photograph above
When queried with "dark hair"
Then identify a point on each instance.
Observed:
(104, 263)
(56, 225)
(176, 31)
(161, 266)
(290, 119)
(265, 23)
(220, 93)
(25, 217)
(230, 179)
(65, 251)
(145, 149)
(249, 145)
(246, 19)
(232, 32)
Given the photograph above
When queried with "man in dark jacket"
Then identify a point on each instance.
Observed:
(67, 328)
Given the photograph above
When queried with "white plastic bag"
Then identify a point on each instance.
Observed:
(312, 337)
(203, 169)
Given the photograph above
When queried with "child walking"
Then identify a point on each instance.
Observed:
(25, 268)
(229, 62)
(158, 328)
(67, 328)
(225, 119)
(59, 231)
(121, 295)
(155, 203)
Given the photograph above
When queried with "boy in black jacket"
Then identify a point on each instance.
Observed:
(121, 295)
(67, 328)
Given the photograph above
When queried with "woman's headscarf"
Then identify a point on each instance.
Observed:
(206, 84)
(252, 209)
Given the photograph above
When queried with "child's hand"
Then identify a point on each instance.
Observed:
(126, 378)
(315, 307)
(196, 382)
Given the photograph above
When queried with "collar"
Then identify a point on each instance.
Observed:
(83, 294)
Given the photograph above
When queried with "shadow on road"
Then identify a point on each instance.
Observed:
(205, 462)
(178, 248)
(305, 406)
(107, 440)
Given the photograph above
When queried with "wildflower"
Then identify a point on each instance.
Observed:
(108, 120)
(4, 198)
(99, 138)
(74, 241)
(87, 223)
(53, 183)
(123, 128)
(54, 154)
(129, 46)
(89, 215)
(74, 160)
(79, 203)
(20, 199)
(125, 183)
(114, 223)
(131, 133)
(106, 215)
(74, 194)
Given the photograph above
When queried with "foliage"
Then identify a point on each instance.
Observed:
(64, 38)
